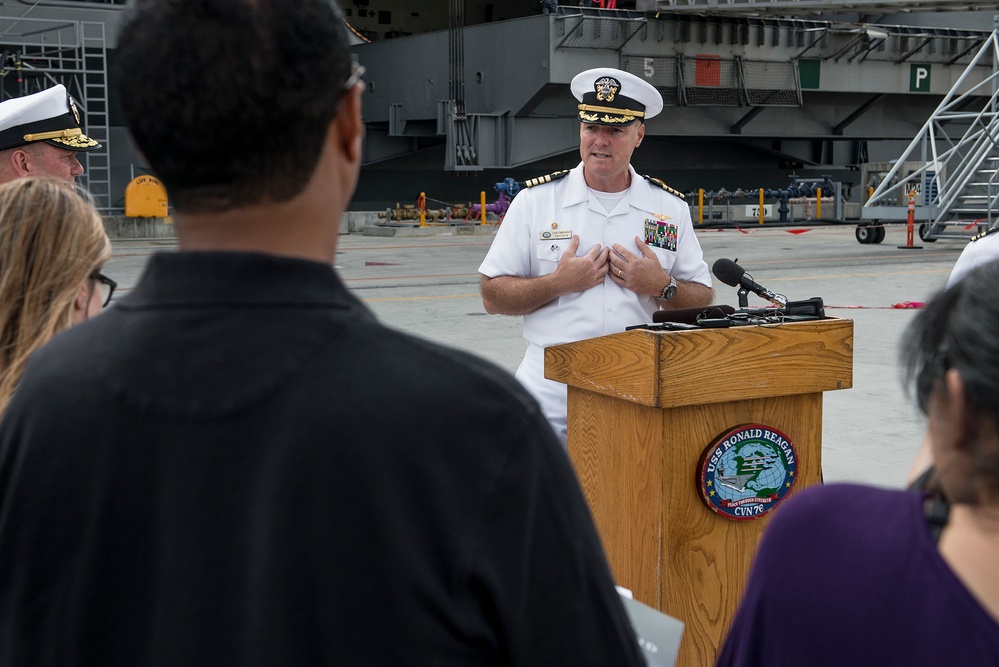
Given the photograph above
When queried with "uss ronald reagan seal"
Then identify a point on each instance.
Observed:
(747, 471)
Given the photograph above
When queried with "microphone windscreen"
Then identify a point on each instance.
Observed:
(728, 271)
(691, 315)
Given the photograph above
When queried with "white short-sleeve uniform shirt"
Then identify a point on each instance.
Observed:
(537, 229)
(981, 250)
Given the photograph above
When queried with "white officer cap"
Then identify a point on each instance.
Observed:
(611, 96)
(50, 116)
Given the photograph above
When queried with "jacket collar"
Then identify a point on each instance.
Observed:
(212, 278)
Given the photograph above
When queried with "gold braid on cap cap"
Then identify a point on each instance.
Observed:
(629, 114)
(55, 134)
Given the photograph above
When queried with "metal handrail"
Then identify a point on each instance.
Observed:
(954, 163)
(805, 6)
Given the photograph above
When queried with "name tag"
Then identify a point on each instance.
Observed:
(555, 234)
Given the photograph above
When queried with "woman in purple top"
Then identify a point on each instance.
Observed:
(854, 575)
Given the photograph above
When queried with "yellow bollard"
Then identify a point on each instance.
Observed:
(762, 211)
(818, 203)
(422, 205)
(482, 205)
(700, 206)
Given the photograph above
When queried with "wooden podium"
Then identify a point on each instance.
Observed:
(643, 407)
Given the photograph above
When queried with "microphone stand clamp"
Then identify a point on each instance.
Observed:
(743, 295)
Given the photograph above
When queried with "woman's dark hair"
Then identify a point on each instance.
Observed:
(959, 329)
(230, 100)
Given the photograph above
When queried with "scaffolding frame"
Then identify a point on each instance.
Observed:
(36, 54)
(957, 181)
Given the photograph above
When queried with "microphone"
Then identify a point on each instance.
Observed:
(732, 274)
(691, 315)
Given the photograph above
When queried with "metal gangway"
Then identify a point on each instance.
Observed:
(954, 184)
(802, 7)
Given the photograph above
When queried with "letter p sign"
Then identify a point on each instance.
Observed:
(919, 78)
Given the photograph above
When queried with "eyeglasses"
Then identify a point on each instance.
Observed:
(357, 70)
(107, 286)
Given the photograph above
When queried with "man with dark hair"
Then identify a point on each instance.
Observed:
(194, 477)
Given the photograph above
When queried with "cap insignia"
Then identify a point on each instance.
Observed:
(76, 112)
(606, 88)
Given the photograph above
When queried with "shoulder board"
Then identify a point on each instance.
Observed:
(655, 181)
(531, 182)
(993, 230)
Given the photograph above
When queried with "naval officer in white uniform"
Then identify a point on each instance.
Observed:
(590, 251)
(982, 249)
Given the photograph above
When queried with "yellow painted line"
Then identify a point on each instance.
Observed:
(422, 298)
(476, 295)
(862, 275)
(419, 277)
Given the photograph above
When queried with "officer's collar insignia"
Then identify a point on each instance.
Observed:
(606, 88)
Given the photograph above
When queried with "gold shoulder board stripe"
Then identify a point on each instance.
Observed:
(656, 181)
(531, 182)
(985, 233)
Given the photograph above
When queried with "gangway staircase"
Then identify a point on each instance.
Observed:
(955, 185)
(801, 7)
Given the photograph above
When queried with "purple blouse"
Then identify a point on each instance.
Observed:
(849, 575)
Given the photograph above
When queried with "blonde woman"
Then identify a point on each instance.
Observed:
(52, 249)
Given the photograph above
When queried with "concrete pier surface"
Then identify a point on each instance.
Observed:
(429, 287)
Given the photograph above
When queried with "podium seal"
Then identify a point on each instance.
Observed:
(747, 471)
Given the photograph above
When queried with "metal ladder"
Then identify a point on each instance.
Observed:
(957, 183)
(97, 178)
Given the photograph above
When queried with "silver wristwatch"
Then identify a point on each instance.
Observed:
(669, 291)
